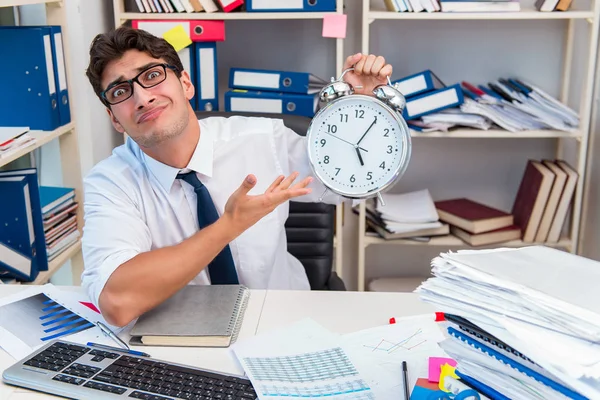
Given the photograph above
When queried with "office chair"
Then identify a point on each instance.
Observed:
(310, 226)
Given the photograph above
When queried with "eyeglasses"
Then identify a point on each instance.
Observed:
(150, 77)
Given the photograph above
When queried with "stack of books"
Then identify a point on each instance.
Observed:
(453, 5)
(409, 215)
(14, 138)
(520, 323)
(38, 223)
(273, 92)
(477, 224)
(59, 213)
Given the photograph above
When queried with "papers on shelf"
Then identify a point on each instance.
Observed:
(13, 139)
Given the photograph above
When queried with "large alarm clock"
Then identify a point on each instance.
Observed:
(359, 145)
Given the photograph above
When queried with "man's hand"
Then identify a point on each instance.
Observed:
(369, 72)
(242, 210)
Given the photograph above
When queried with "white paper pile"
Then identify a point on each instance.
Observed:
(543, 302)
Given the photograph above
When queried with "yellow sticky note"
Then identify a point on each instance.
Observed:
(447, 370)
(177, 37)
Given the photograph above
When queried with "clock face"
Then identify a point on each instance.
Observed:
(358, 146)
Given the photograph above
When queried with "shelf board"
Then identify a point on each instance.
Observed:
(523, 14)
(453, 241)
(15, 3)
(497, 133)
(42, 137)
(54, 265)
(226, 16)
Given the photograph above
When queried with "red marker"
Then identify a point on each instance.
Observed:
(439, 317)
(392, 320)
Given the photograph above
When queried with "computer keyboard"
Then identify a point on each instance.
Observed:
(82, 372)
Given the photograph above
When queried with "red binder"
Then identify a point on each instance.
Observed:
(199, 31)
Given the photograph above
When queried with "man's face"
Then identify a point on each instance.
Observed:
(151, 115)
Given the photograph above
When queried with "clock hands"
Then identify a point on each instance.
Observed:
(359, 156)
(345, 141)
(367, 131)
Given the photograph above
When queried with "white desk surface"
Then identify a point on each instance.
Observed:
(340, 312)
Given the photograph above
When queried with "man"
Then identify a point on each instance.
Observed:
(148, 229)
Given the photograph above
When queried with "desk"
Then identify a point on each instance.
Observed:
(340, 312)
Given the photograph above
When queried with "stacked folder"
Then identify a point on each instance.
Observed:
(273, 91)
(33, 72)
(521, 323)
(38, 223)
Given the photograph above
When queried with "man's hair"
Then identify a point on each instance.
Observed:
(110, 46)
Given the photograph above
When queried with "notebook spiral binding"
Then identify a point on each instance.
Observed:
(240, 306)
(515, 365)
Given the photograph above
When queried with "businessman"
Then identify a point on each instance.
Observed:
(188, 201)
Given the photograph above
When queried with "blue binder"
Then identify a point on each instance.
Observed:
(431, 102)
(270, 102)
(60, 75)
(422, 82)
(41, 256)
(17, 237)
(514, 364)
(206, 76)
(276, 81)
(28, 74)
(290, 6)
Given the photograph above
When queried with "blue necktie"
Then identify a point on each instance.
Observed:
(221, 269)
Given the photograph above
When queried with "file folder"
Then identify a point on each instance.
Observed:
(277, 81)
(199, 31)
(40, 259)
(290, 5)
(418, 83)
(206, 76)
(28, 74)
(430, 102)
(60, 75)
(271, 102)
(17, 237)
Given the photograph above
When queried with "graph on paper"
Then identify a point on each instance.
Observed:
(409, 343)
(38, 319)
(326, 373)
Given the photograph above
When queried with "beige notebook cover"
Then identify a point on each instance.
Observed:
(197, 315)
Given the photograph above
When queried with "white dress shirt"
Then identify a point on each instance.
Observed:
(134, 203)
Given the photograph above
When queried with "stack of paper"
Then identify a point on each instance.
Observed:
(13, 139)
(405, 215)
(540, 307)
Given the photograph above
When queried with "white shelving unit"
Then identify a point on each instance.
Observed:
(581, 137)
(121, 16)
(69, 148)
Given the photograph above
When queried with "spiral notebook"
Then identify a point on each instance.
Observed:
(197, 315)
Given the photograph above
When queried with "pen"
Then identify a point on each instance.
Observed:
(106, 330)
(110, 348)
(405, 378)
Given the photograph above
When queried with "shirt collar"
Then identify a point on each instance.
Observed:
(201, 161)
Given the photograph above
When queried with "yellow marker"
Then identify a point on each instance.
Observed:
(447, 370)
(177, 37)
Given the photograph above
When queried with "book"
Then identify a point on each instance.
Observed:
(564, 202)
(505, 234)
(472, 216)
(197, 316)
(554, 197)
(389, 235)
(531, 198)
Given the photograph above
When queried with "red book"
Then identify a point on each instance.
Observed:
(472, 216)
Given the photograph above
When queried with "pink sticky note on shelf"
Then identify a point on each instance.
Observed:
(435, 367)
(334, 26)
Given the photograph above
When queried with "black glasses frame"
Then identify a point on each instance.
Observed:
(136, 80)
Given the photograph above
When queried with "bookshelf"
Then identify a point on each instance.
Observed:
(68, 144)
(563, 140)
(121, 16)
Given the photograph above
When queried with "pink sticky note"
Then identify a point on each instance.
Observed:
(334, 26)
(435, 367)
